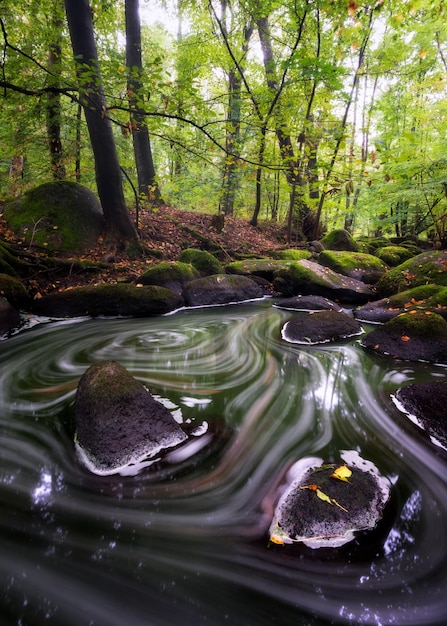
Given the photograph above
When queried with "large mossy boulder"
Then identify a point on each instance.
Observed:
(310, 278)
(62, 216)
(328, 503)
(425, 404)
(221, 289)
(263, 268)
(321, 327)
(109, 300)
(414, 336)
(171, 274)
(339, 239)
(14, 291)
(425, 268)
(424, 298)
(292, 254)
(394, 255)
(353, 264)
(118, 422)
(205, 262)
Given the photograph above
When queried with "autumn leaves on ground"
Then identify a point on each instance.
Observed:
(164, 232)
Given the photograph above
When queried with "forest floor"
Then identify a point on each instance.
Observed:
(164, 233)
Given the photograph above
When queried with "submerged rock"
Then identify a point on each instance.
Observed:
(321, 327)
(414, 336)
(118, 421)
(425, 405)
(326, 504)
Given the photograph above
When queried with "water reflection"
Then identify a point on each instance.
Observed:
(186, 540)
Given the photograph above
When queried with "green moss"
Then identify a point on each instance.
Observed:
(425, 268)
(347, 263)
(204, 261)
(59, 216)
(394, 255)
(339, 239)
(166, 271)
(99, 393)
(13, 290)
(292, 255)
(419, 324)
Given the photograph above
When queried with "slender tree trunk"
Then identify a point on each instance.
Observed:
(119, 226)
(232, 147)
(147, 184)
(54, 99)
(78, 144)
(292, 170)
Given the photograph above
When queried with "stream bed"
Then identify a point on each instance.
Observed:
(184, 539)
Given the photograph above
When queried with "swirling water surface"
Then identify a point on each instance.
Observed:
(185, 541)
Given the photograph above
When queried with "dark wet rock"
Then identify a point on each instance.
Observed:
(352, 264)
(205, 262)
(425, 404)
(14, 291)
(118, 421)
(339, 239)
(415, 336)
(307, 303)
(9, 316)
(310, 278)
(109, 300)
(425, 268)
(221, 289)
(60, 215)
(171, 274)
(394, 255)
(424, 298)
(264, 268)
(331, 516)
(321, 327)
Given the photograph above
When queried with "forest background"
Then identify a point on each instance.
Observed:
(316, 113)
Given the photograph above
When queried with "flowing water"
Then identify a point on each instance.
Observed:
(185, 540)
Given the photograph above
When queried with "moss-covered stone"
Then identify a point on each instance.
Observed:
(171, 274)
(14, 291)
(352, 264)
(425, 268)
(264, 268)
(424, 298)
(394, 255)
(292, 254)
(339, 239)
(118, 421)
(221, 289)
(310, 278)
(120, 299)
(413, 336)
(60, 216)
(9, 316)
(202, 260)
(321, 327)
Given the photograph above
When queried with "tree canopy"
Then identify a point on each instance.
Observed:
(318, 113)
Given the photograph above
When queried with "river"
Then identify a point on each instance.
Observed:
(184, 540)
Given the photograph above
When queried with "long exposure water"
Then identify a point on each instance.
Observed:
(185, 540)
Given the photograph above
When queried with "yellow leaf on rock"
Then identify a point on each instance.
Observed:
(342, 473)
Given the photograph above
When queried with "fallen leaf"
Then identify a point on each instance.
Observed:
(342, 473)
(405, 338)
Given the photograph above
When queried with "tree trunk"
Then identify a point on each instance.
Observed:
(54, 99)
(119, 226)
(147, 184)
